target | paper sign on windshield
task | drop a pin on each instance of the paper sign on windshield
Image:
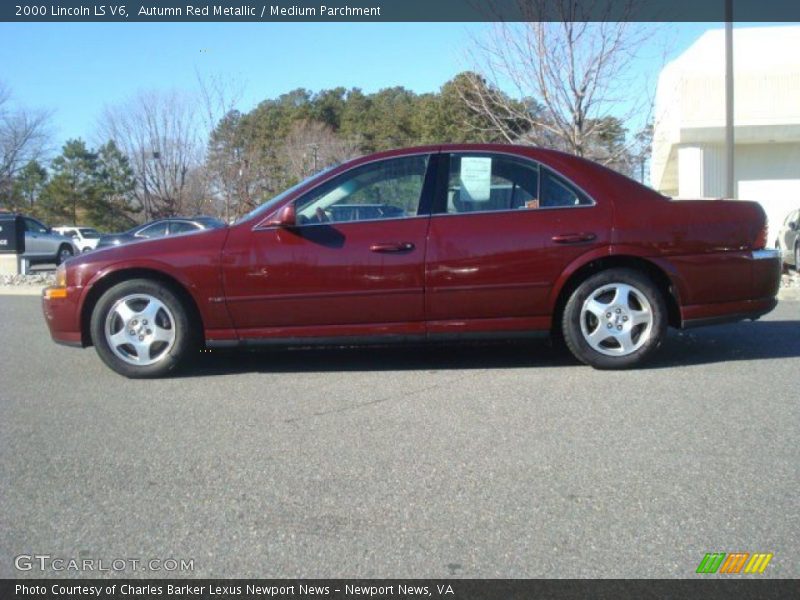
(476, 178)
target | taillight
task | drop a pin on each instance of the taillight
(761, 239)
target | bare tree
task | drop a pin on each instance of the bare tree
(567, 72)
(236, 167)
(311, 146)
(231, 164)
(161, 134)
(23, 138)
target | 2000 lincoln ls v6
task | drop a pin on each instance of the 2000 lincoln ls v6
(428, 243)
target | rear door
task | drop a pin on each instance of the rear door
(504, 228)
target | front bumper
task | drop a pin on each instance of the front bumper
(62, 316)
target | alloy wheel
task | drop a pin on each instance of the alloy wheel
(616, 319)
(140, 329)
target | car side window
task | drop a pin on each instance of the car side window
(153, 231)
(181, 227)
(486, 182)
(556, 192)
(34, 226)
(388, 189)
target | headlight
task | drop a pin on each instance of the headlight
(61, 276)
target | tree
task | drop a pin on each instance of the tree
(28, 185)
(113, 203)
(160, 134)
(568, 76)
(311, 146)
(73, 185)
(23, 137)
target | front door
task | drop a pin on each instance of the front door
(38, 242)
(353, 264)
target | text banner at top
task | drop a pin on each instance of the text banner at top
(402, 11)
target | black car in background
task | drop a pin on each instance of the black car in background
(788, 241)
(160, 228)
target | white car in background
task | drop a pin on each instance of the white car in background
(84, 238)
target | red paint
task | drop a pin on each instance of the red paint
(465, 273)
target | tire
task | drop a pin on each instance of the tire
(141, 329)
(630, 335)
(64, 253)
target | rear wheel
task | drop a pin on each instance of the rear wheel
(141, 329)
(615, 319)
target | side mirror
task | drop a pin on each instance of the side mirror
(793, 226)
(285, 217)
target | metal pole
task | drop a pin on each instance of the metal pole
(729, 141)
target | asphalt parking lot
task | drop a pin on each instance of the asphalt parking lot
(473, 461)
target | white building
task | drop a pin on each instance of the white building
(688, 145)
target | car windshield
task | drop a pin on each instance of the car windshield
(270, 204)
(89, 233)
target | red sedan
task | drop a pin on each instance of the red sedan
(438, 242)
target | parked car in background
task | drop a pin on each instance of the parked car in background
(459, 241)
(788, 241)
(159, 228)
(45, 245)
(85, 238)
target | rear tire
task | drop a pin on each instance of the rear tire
(141, 329)
(615, 319)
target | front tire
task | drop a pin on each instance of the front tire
(615, 319)
(64, 253)
(141, 329)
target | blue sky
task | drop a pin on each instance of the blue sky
(75, 69)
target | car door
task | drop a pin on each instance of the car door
(37, 240)
(335, 272)
(502, 232)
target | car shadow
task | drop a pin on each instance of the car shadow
(739, 342)
(742, 341)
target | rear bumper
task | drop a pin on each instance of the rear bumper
(61, 316)
(765, 274)
(725, 312)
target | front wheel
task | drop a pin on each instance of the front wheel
(615, 319)
(141, 329)
(64, 253)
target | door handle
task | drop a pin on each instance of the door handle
(386, 248)
(573, 238)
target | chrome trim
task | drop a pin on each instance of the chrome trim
(512, 210)
(765, 254)
(337, 223)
